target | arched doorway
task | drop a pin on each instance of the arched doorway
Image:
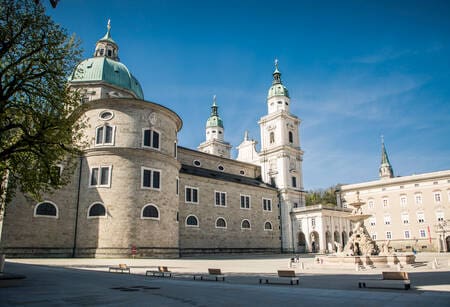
(328, 242)
(315, 243)
(337, 239)
(344, 239)
(447, 241)
(301, 242)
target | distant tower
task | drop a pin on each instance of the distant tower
(281, 156)
(386, 170)
(215, 143)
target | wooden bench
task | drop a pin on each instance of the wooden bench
(213, 274)
(162, 271)
(390, 280)
(122, 268)
(283, 275)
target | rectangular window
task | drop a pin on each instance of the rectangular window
(388, 235)
(407, 236)
(385, 202)
(437, 197)
(418, 199)
(374, 236)
(387, 220)
(403, 201)
(151, 178)
(100, 176)
(313, 221)
(405, 218)
(371, 204)
(177, 187)
(245, 202)
(150, 139)
(191, 195)
(372, 221)
(267, 204)
(423, 234)
(294, 182)
(104, 135)
(440, 216)
(420, 218)
(175, 149)
(221, 199)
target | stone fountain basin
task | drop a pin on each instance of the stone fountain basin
(377, 261)
(359, 217)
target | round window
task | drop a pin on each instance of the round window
(197, 163)
(220, 168)
(242, 172)
(106, 115)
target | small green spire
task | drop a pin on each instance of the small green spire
(107, 36)
(386, 170)
(214, 120)
(276, 74)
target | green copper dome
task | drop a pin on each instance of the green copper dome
(277, 90)
(103, 69)
(214, 120)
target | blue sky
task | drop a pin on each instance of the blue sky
(355, 70)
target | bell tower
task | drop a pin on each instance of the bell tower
(281, 155)
(215, 143)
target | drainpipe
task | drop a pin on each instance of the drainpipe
(281, 221)
(78, 208)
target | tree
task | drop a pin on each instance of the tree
(321, 196)
(39, 115)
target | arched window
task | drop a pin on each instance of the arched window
(268, 226)
(291, 137)
(245, 224)
(192, 221)
(46, 209)
(150, 212)
(104, 135)
(150, 138)
(221, 223)
(272, 137)
(96, 210)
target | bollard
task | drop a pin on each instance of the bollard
(2, 262)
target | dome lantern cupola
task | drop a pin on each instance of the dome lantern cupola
(214, 119)
(106, 46)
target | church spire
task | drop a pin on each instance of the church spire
(276, 74)
(386, 170)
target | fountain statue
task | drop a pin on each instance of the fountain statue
(361, 249)
(360, 243)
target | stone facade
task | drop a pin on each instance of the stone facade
(411, 212)
(127, 196)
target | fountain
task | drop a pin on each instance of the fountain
(360, 249)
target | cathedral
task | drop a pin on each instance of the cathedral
(136, 192)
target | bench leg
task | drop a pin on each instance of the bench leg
(292, 282)
(297, 281)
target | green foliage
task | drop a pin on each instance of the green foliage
(321, 196)
(38, 125)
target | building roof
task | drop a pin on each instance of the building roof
(214, 119)
(396, 180)
(208, 173)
